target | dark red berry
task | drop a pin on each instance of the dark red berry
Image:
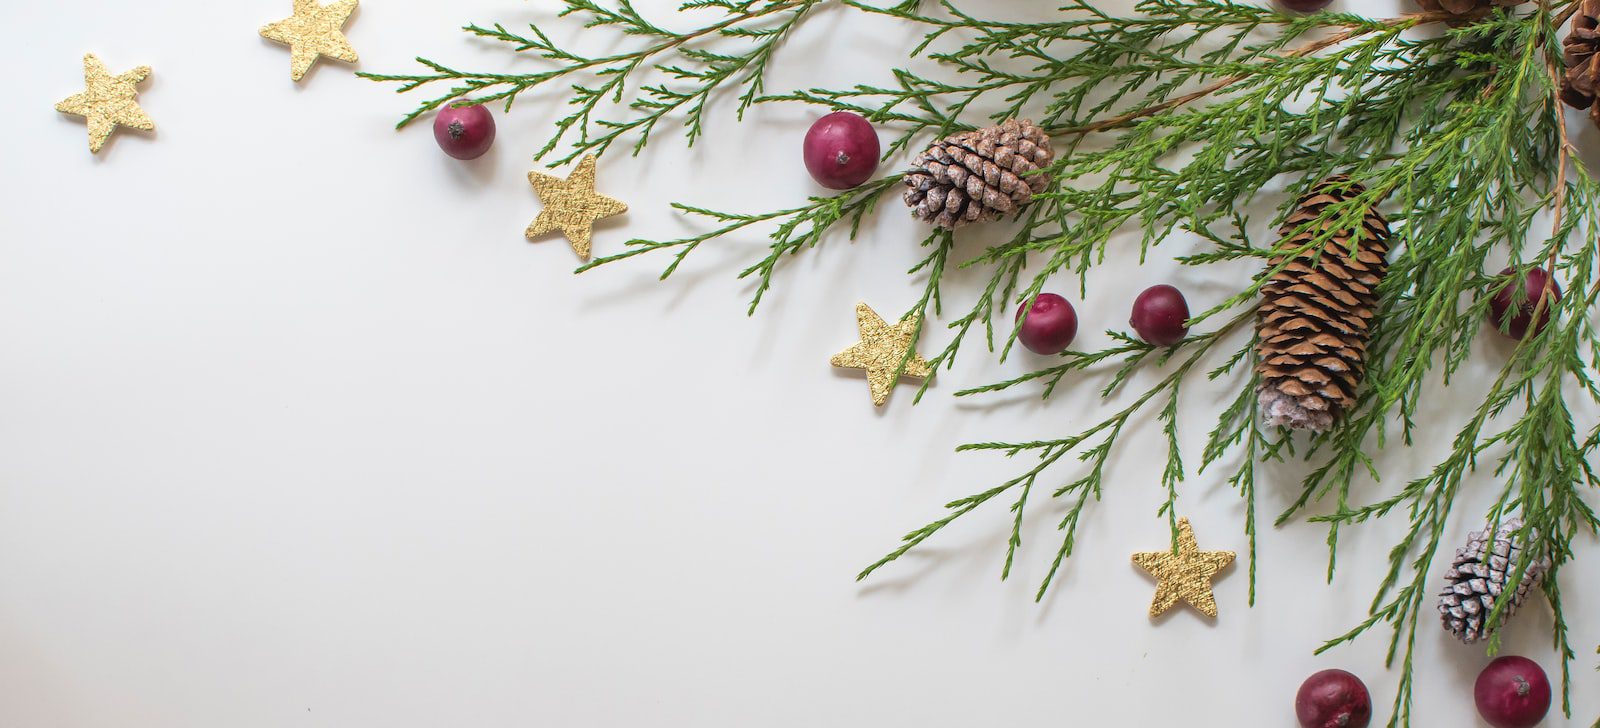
(1304, 6)
(464, 132)
(1512, 692)
(1535, 284)
(1160, 315)
(841, 150)
(1050, 324)
(1333, 699)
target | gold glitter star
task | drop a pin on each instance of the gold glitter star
(107, 101)
(314, 30)
(572, 206)
(1184, 575)
(880, 351)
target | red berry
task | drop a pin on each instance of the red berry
(1512, 692)
(841, 150)
(1160, 315)
(464, 132)
(1333, 699)
(1304, 6)
(1534, 285)
(1050, 324)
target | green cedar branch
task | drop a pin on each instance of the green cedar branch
(687, 70)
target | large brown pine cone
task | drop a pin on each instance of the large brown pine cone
(1465, 9)
(1316, 313)
(1583, 65)
(1478, 578)
(979, 175)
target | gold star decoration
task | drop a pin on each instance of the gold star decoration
(314, 30)
(880, 351)
(572, 206)
(107, 101)
(1184, 575)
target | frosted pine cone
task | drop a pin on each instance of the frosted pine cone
(1479, 577)
(979, 175)
(1316, 313)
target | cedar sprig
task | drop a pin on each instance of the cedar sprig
(681, 72)
(794, 230)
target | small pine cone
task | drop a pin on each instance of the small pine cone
(1479, 577)
(1582, 79)
(1463, 10)
(1316, 313)
(979, 175)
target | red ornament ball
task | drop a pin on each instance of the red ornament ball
(1160, 315)
(1535, 284)
(841, 150)
(1333, 699)
(1050, 325)
(464, 132)
(1512, 692)
(1305, 6)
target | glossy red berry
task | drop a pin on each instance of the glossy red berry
(1304, 6)
(1512, 692)
(1333, 699)
(1535, 284)
(1050, 325)
(464, 132)
(1160, 315)
(841, 150)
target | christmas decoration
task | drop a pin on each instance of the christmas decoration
(1184, 575)
(885, 352)
(1180, 123)
(464, 132)
(1333, 699)
(1305, 6)
(841, 150)
(1316, 309)
(1512, 692)
(571, 205)
(1526, 299)
(315, 30)
(1481, 575)
(108, 101)
(1048, 324)
(1160, 315)
(979, 175)
(1578, 84)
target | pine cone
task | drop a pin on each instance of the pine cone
(1583, 66)
(1478, 578)
(1316, 314)
(1464, 10)
(979, 175)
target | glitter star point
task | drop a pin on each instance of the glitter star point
(571, 205)
(1185, 575)
(108, 101)
(881, 350)
(315, 30)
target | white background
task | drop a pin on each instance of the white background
(299, 431)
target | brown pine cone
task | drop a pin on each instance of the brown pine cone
(979, 175)
(1316, 313)
(1464, 10)
(1583, 65)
